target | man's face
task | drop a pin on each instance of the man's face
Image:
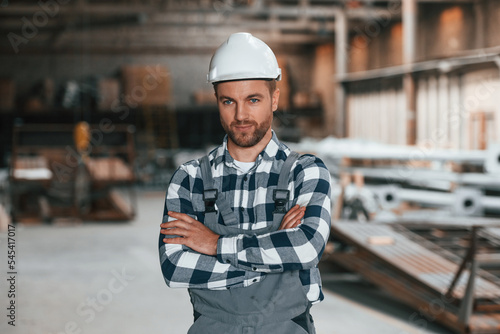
(246, 110)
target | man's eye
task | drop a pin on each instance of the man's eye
(227, 102)
(254, 100)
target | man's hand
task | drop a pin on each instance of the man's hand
(191, 232)
(293, 217)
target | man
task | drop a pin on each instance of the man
(240, 231)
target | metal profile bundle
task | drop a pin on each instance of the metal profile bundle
(338, 150)
(459, 294)
(425, 178)
(465, 183)
(463, 201)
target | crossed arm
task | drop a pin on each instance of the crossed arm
(193, 256)
(198, 237)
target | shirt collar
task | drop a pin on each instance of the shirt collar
(269, 152)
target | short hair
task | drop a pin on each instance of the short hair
(271, 84)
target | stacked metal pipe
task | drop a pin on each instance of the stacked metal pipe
(428, 179)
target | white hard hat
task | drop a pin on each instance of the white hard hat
(243, 56)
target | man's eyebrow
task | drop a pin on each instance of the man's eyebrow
(251, 96)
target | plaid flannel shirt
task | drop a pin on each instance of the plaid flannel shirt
(243, 260)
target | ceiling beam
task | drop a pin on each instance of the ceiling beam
(180, 24)
(195, 18)
(327, 8)
(310, 11)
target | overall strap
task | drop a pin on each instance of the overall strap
(281, 195)
(211, 197)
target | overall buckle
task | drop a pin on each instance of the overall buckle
(280, 198)
(209, 197)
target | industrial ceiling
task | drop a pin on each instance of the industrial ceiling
(56, 26)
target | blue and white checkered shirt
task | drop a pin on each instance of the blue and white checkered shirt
(243, 260)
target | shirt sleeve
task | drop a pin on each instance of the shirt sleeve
(181, 266)
(291, 249)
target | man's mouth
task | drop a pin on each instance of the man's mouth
(243, 127)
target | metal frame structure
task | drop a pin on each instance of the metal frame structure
(442, 285)
(47, 169)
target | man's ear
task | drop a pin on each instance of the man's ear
(275, 98)
(215, 91)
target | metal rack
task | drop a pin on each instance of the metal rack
(415, 266)
(49, 180)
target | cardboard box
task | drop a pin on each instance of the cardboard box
(146, 85)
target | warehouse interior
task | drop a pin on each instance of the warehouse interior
(101, 101)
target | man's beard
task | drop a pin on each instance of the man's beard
(247, 139)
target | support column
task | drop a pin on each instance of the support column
(480, 28)
(341, 53)
(409, 56)
(496, 116)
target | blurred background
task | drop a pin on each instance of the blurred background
(100, 101)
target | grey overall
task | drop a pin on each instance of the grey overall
(276, 305)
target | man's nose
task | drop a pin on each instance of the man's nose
(241, 113)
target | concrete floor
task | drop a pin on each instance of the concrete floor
(105, 278)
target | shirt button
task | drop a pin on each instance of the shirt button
(245, 178)
(254, 268)
(228, 261)
(242, 209)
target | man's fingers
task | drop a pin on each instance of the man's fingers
(292, 210)
(175, 214)
(176, 224)
(292, 219)
(177, 241)
(293, 213)
(290, 214)
(172, 223)
(189, 232)
(295, 223)
(179, 217)
(174, 231)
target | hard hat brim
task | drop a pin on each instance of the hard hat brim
(242, 77)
